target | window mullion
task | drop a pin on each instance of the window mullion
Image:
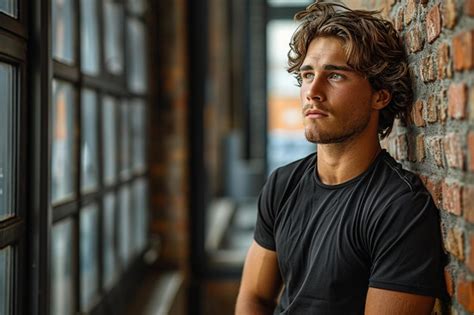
(40, 56)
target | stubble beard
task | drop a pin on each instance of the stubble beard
(347, 132)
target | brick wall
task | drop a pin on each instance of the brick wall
(439, 144)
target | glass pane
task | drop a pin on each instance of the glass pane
(9, 7)
(286, 140)
(62, 163)
(110, 269)
(136, 72)
(124, 225)
(63, 30)
(6, 273)
(89, 37)
(138, 126)
(281, 3)
(89, 260)
(137, 6)
(109, 134)
(8, 148)
(125, 140)
(114, 19)
(140, 212)
(62, 273)
(89, 156)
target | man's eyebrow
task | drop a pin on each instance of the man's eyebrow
(327, 67)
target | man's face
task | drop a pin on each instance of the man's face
(337, 101)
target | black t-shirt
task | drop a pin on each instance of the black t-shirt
(380, 229)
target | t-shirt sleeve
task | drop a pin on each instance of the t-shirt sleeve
(405, 247)
(263, 234)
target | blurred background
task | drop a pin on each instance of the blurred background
(135, 138)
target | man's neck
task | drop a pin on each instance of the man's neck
(337, 163)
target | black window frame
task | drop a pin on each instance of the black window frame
(13, 51)
(45, 214)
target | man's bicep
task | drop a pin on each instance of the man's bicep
(261, 276)
(406, 247)
(387, 302)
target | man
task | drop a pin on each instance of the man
(345, 230)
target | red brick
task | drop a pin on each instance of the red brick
(457, 97)
(469, 7)
(433, 24)
(417, 113)
(449, 13)
(437, 150)
(410, 11)
(449, 281)
(427, 70)
(470, 258)
(414, 39)
(435, 189)
(468, 203)
(453, 151)
(431, 110)
(452, 195)
(465, 293)
(463, 50)
(420, 148)
(470, 150)
(454, 243)
(444, 62)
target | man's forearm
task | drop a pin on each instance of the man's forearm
(253, 306)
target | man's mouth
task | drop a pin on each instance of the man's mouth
(315, 114)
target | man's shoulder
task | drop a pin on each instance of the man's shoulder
(395, 176)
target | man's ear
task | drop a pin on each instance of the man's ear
(381, 99)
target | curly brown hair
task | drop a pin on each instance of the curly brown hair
(372, 46)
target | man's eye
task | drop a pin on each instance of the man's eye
(307, 76)
(335, 76)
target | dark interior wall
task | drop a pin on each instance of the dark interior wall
(169, 141)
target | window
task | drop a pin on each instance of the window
(63, 30)
(98, 135)
(5, 279)
(72, 134)
(286, 141)
(109, 235)
(9, 7)
(282, 3)
(89, 141)
(13, 126)
(63, 142)
(8, 108)
(89, 261)
(62, 272)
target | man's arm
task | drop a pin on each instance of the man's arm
(261, 282)
(386, 302)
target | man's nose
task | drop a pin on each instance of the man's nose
(315, 89)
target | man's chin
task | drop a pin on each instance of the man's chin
(326, 139)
